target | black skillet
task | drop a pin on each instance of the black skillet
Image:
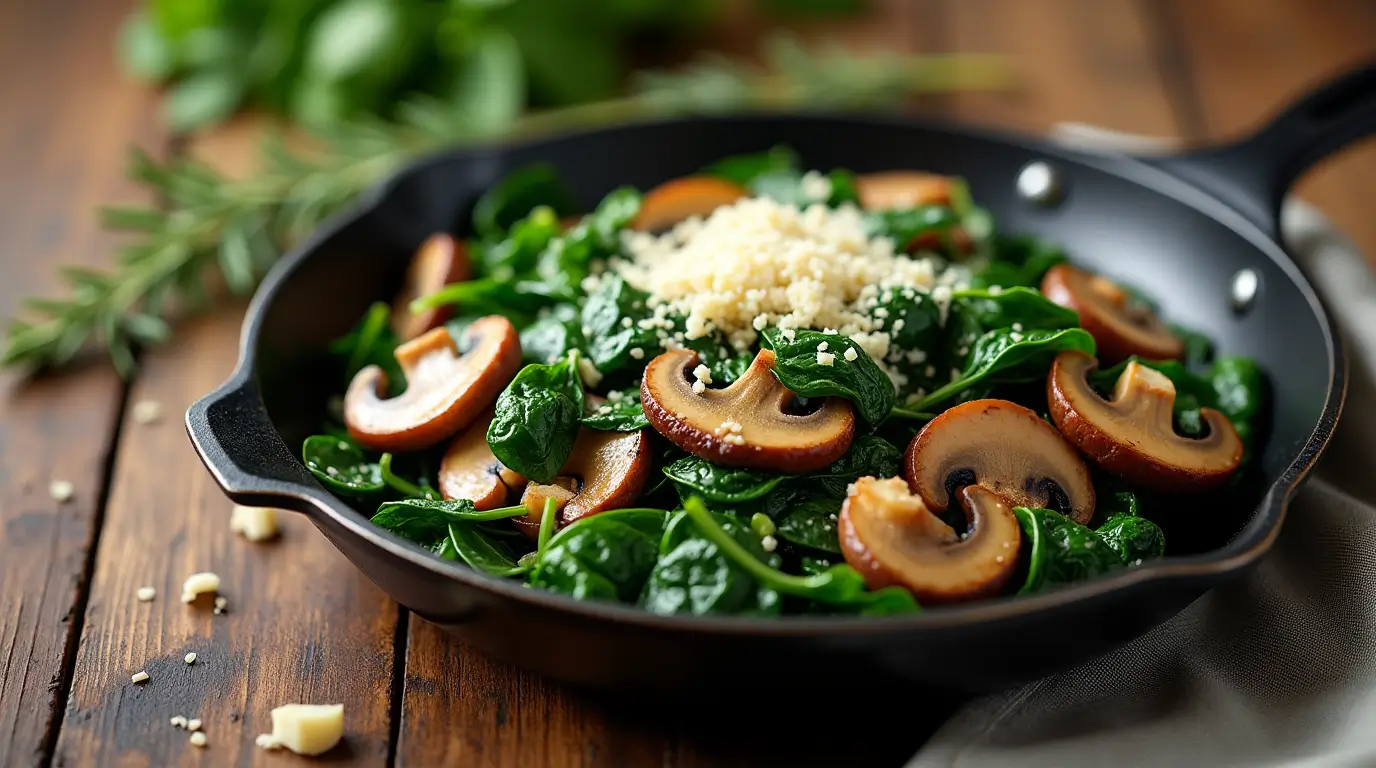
(1196, 230)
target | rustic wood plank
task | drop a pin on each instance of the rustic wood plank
(61, 153)
(1248, 59)
(303, 625)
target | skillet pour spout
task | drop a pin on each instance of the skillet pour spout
(1183, 227)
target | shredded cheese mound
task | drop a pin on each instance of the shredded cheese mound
(758, 263)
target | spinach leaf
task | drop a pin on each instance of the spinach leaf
(563, 265)
(552, 337)
(868, 455)
(607, 556)
(484, 553)
(860, 380)
(623, 415)
(728, 485)
(812, 566)
(611, 326)
(724, 362)
(1013, 306)
(371, 342)
(426, 521)
(516, 195)
(1061, 551)
(914, 324)
(613, 214)
(1018, 260)
(1134, 538)
(340, 466)
(904, 225)
(839, 585)
(517, 253)
(1240, 391)
(517, 300)
(1004, 356)
(792, 187)
(812, 524)
(744, 169)
(693, 574)
(401, 484)
(1199, 349)
(536, 419)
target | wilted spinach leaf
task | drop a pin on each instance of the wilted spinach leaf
(744, 169)
(860, 381)
(812, 524)
(868, 456)
(1061, 551)
(728, 485)
(607, 556)
(341, 466)
(426, 521)
(1018, 260)
(553, 336)
(1134, 538)
(536, 419)
(1199, 349)
(371, 342)
(1013, 306)
(1240, 391)
(693, 575)
(484, 553)
(623, 415)
(904, 225)
(1004, 355)
(516, 195)
(517, 253)
(611, 326)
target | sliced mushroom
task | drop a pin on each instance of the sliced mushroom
(892, 538)
(887, 190)
(470, 471)
(747, 424)
(673, 201)
(1004, 447)
(1120, 327)
(439, 261)
(444, 393)
(1133, 435)
(606, 470)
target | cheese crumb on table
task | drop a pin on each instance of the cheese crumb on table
(199, 583)
(221, 604)
(178, 722)
(147, 412)
(253, 523)
(198, 739)
(147, 594)
(190, 658)
(306, 729)
(140, 677)
(194, 724)
(61, 491)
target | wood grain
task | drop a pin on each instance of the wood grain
(1246, 60)
(303, 625)
(55, 167)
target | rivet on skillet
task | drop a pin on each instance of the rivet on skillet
(1041, 183)
(1245, 285)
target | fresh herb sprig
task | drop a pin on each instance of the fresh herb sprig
(237, 228)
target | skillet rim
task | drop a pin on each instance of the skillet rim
(1253, 541)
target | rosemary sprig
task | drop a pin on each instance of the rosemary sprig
(239, 227)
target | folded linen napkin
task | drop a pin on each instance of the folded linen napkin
(1277, 668)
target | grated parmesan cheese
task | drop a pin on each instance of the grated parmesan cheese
(147, 594)
(826, 358)
(198, 583)
(851, 354)
(254, 523)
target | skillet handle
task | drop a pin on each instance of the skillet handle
(1254, 173)
(238, 443)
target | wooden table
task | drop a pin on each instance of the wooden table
(303, 625)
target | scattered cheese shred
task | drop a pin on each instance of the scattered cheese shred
(194, 724)
(147, 412)
(198, 739)
(254, 523)
(61, 491)
(199, 583)
(147, 594)
(306, 729)
(190, 658)
(178, 722)
(140, 677)
(221, 604)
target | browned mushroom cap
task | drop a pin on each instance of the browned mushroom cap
(470, 471)
(439, 261)
(887, 190)
(1120, 328)
(444, 393)
(606, 470)
(673, 201)
(1133, 435)
(747, 424)
(892, 538)
(1007, 449)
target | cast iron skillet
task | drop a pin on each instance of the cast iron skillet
(1183, 227)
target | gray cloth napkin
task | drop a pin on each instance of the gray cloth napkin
(1275, 668)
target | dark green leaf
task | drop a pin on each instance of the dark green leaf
(611, 325)
(607, 556)
(518, 252)
(860, 380)
(727, 485)
(868, 456)
(550, 338)
(904, 225)
(1199, 349)
(341, 466)
(536, 420)
(812, 524)
(1061, 551)
(1134, 538)
(744, 169)
(1004, 355)
(516, 195)
(1013, 307)
(694, 576)
(371, 342)
(202, 99)
(1019, 260)
(623, 415)
(484, 553)
(570, 51)
(490, 89)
